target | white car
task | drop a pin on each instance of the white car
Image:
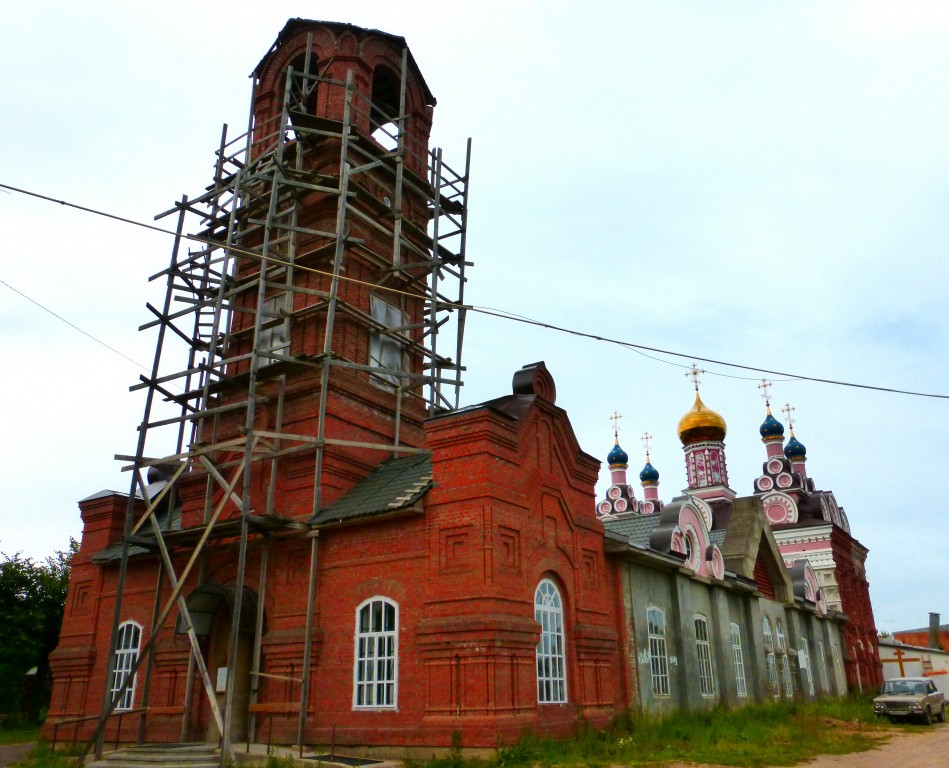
(905, 697)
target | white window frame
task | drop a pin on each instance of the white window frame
(376, 656)
(804, 662)
(551, 647)
(273, 337)
(769, 657)
(384, 350)
(703, 650)
(658, 653)
(838, 672)
(822, 667)
(127, 647)
(739, 659)
(783, 662)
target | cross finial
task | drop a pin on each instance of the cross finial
(614, 419)
(765, 387)
(694, 373)
(647, 440)
(787, 410)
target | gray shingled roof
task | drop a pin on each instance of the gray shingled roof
(638, 527)
(396, 484)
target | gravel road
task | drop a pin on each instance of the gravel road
(920, 747)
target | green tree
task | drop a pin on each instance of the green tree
(32, 599)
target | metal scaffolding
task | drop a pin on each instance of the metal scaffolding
(257, 266)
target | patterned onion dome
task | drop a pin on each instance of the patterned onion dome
(771, 427)
(617, 457)
(700, 424)
(649, 474)
(795, 450)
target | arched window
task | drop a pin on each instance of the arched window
(838, 671)
(703, 650)
(804, 661)
(126, 654)
(551, 654)
(769, 656)
(783, 661)
(739, 660)
(822, 667)
(375, 672)
(658, 657)
(689, 547)
(384, 112)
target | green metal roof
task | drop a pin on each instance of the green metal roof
(394, 485)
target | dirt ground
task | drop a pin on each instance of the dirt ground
(918, 748)
(11, 753)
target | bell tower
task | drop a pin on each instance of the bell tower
(322, 305)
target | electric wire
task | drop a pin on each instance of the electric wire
(642, 349)
(74, 326)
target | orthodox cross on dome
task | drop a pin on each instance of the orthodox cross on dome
(694, 373)
(765, 387)
(647, 440)
(614, 420)
(787, 410)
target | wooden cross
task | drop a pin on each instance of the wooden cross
(899, 653)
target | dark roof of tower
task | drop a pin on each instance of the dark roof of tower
(394, 485)
(295, 25)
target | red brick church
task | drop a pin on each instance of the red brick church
(318, 544)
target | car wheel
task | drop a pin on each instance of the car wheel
(928, 716)
(941, 717)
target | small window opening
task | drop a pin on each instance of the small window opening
(386, 86)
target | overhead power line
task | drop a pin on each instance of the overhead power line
(73, 325)
(501, 314)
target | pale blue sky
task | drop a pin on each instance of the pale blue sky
(759, 183)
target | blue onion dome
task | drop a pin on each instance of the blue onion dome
(649, 474)
(617, 457)
(795, 450)
(771, 427)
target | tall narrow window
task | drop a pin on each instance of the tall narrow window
(658, 658)
(822, 667)
(551, 658)
(769, 656)
(804, 660)
(273, 325)
(739, 660)
(385, 349)
(838, 672)
(126, 654)
(703, 649)
(375, 672)
(783, 663)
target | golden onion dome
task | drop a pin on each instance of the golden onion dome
(700, 424)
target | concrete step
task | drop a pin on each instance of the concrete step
(162, 756)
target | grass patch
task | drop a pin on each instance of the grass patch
(778, 733)
(18, 734)
(43, 757)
